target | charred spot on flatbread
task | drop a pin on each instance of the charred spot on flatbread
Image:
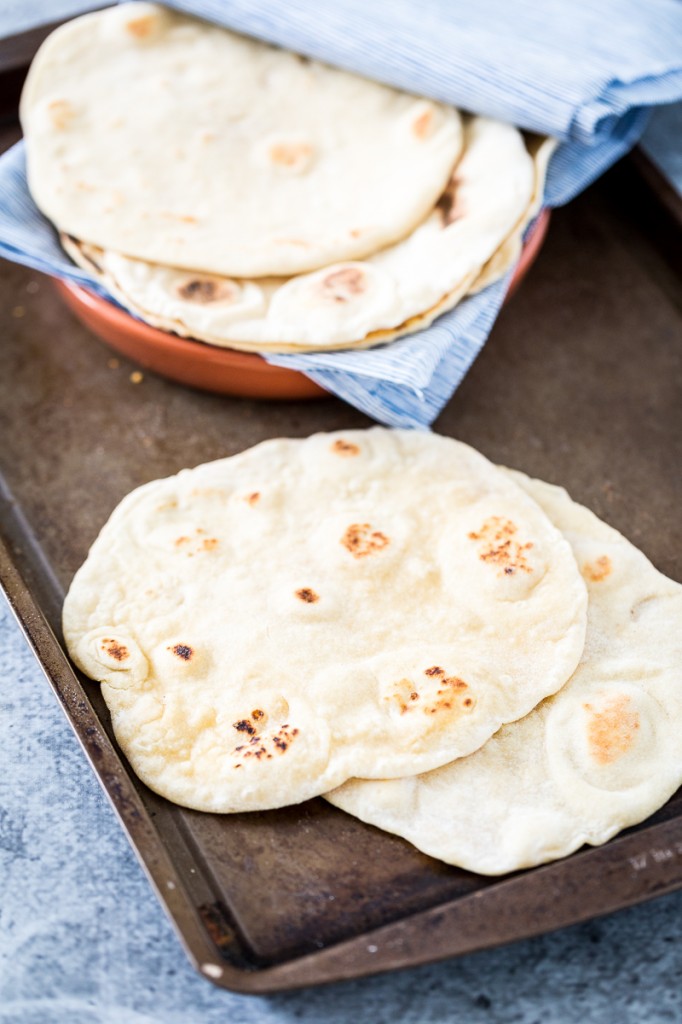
(498, 547)
(448, 698)
(362, 540)
(264, 746)
(142, 27)
(205, 290)
(182, 651)
(612, 729)
(450, 205)
(61, 114)
(422, 126)
(245, 725)
(597, 570)
(345, 448)
(291, 156)
(115, 650)
(344, 285)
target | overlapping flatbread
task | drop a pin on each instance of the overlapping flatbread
(493, 193)
(371, 603)
(602, 754)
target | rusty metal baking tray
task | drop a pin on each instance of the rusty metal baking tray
(580, 384)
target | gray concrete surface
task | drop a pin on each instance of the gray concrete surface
(83, 940)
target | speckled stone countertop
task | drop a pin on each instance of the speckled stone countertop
(83, 940)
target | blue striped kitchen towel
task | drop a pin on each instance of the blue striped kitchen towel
(585, 72)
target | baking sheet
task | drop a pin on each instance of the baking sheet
(580, 384)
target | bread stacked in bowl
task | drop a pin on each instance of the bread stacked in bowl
(447, 649)
(250, 198)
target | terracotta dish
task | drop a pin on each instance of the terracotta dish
(208, 367)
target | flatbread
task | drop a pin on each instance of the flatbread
(89, 258)
(541, 149)
(175, 141)
(367, 603)
(348, 305)
(602, 754)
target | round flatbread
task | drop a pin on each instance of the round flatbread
(490, 196)
(369, 603)
(171, 140)
(601, 755)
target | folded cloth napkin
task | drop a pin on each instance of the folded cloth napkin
(585, 72)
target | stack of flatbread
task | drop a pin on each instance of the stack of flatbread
(248, 197)
(447, 649)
